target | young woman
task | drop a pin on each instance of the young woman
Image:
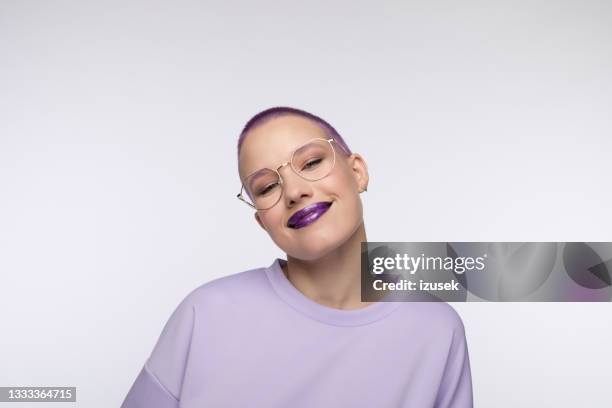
(296, 333)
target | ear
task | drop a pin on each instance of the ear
(259, 221)
(359, 171)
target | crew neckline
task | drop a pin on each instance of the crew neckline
(337, 317)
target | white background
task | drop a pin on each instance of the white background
(479, 121)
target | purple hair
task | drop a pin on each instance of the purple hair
(279, 111)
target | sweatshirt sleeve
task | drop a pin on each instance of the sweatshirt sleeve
(456, 386)
(159, 383)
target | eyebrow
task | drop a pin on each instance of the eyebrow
(253, 173)
(255, 176)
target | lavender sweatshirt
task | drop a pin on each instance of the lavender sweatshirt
(253, 340)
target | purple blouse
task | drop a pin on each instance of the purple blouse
(253, 340)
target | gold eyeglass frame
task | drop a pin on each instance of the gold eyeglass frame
(240, 196)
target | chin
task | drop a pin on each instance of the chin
(317, 245)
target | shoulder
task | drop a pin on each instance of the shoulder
(240, 287)
(169, 356)
(436, 317)
(446, 315)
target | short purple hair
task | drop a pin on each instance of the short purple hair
(279, 111)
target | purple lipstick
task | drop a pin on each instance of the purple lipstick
(308, 214)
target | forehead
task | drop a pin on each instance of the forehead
(271, 143)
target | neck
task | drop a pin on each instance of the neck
(333, 280)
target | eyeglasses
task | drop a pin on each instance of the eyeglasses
(312, 161)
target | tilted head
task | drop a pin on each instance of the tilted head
(315, 206)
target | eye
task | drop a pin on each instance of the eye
(267, 189)
(312, 163)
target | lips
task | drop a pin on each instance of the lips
(308, 214)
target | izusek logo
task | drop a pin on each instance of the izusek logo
(413, 264)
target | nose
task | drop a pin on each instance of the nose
(295, 188)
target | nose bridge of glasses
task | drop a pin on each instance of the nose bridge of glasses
(290, 174)
(281, 166)
(291, 171)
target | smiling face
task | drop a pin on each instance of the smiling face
(270, 144)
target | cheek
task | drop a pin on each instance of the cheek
(351, 212)
(341, 181)
(272, 221)
(345, 189)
